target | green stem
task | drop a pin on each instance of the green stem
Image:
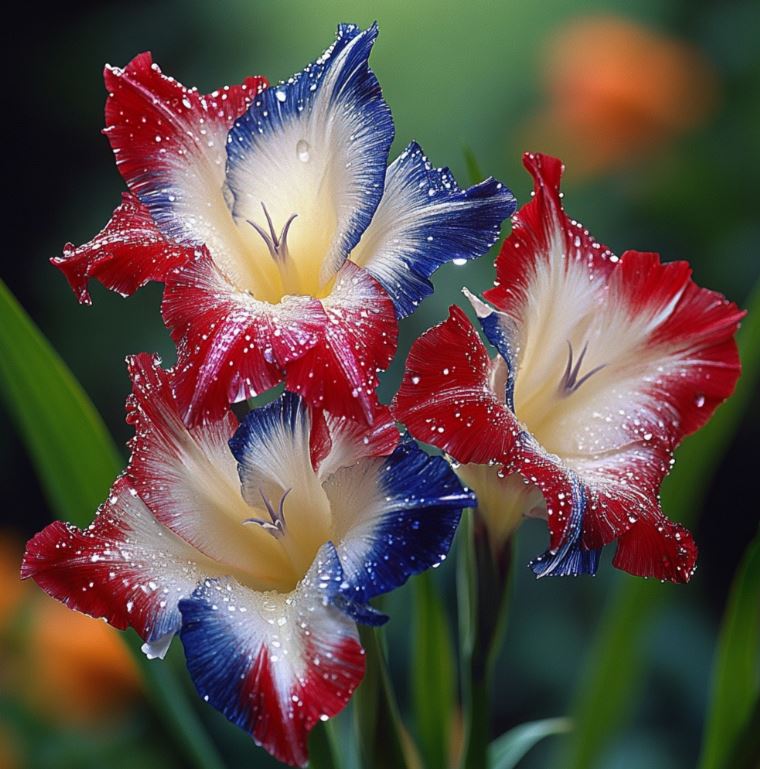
(171, 703)
(323, 752)
(483, 588)
(378, 724)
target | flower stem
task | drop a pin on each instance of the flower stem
(322, 748)
(380, 736)
(483, 589)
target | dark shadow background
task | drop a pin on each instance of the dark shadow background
(663, 157)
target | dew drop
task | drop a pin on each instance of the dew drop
(302, 150)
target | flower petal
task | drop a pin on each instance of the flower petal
(170, 146)
(231, 346)
(188, 478)
(340, 442)
(274, 663)
(393, 517)
(315, 146)
(125, 567)
(658, 548)
(540, 230)
(503, 500)
(129, 252)
(358, 339)
(425, 220)
(273, 450)
(445, 398)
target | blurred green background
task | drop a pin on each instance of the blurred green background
(655, 108)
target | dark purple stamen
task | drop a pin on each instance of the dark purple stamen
(276, 525)
(277, 245)
(570, 382)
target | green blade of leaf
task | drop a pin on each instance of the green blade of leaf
(509, 749)
(433, 679)
(736, 674)
(380, 733)
(474, 173)
(75, 458)
(76, 461)
(614, 660)
(323, 751)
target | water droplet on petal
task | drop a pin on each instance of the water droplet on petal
(302, 150)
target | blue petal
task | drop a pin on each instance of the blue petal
(262, 424)
(316, 146)
(272, 662)
(406, 524)
(360, 612)
(571, 559)
(425, 220)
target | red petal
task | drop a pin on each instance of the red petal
(128, 253)
(445, 398)
(696, 329)
(357, 340)
(153, 122)
(337, 442)
(125, 567)
(659, 549)
(537, 227)
(229, 345)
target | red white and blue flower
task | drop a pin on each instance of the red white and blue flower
(287, 247)
(603, 365)
(261, 558)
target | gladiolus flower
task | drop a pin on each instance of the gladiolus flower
(604, 364)
(287, 247)
(262, 558)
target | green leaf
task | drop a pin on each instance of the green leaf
(323, 751)
(508, 750)
(474, 173)
(382, 742)
(74, 456)
(76, 462)
(614, 661)
(736, 675)
(433, 673)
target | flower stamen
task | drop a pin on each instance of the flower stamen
(276, 525)
(570, 382)
(277, 244)
(278, 249)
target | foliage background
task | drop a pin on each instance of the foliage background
(457, 75)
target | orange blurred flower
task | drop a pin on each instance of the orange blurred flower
(617, 90)
(66, 666)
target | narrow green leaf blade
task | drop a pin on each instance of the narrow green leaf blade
(509, 749)
(381, 737)
(474, 172)
(736, 675)
(75, 458)
(433, 676)
(323, 750)
(614, 660)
